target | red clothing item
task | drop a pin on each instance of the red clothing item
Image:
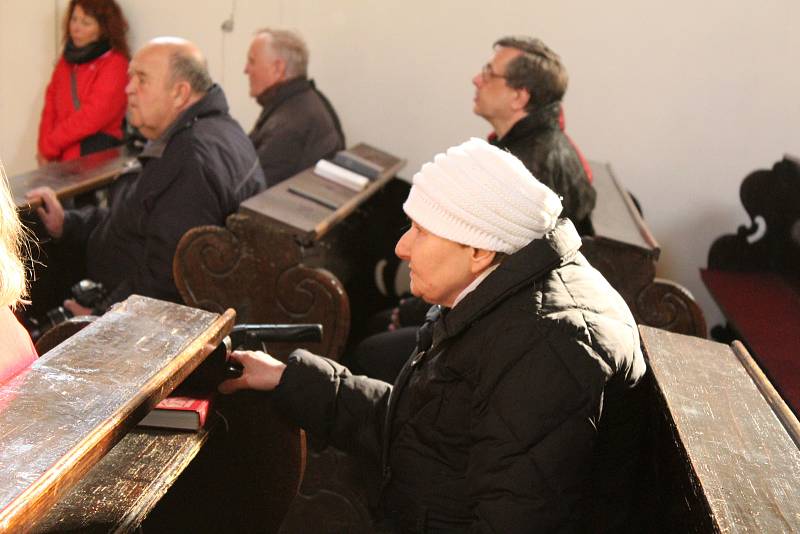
(16, 348)
(101, 92)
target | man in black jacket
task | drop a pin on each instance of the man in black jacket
(519, 93)
(196, 169)
(297, 126)
(493, 424)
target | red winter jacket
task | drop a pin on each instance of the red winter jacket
(101, 92)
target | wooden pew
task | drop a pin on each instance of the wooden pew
(61, 418)
(754, 275)
(723, 449)
(284, 258)
(625, 251)
(72, 178)
(65, 412)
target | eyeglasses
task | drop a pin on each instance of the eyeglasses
(488, 73)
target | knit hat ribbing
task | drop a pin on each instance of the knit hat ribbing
(478, 195)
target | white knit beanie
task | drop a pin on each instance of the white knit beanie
(481, 196)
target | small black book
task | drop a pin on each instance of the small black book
(357, 164)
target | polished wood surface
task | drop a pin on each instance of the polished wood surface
(63, 414)
(286, 259)
(624, 250)
(119, 492)
(71, 178)
(735, 442)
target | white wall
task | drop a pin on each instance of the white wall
(684, 98)
(26, 61)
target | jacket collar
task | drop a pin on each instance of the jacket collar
(213, 103)
(544, 118)
(278, 94)
(516, 272)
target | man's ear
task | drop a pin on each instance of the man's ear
(181, 93)
(280, 68)
(481, 259)
(521, 99)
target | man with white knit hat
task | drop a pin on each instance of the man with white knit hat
(493, 425)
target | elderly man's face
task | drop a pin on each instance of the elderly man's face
(493, 96)
(152, 102)
(264, 68)
(440, 268)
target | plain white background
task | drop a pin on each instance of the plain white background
(683, 98)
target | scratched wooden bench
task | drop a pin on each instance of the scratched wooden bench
(722, 448)
(73, 459)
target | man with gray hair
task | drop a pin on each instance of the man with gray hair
(196, 169)
(519, 92)
(298, 125)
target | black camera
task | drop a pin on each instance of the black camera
(87, 293)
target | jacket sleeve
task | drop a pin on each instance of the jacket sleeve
(47, 121)
(533, 429)
(106, 100)
(326, 400)
(79, 223)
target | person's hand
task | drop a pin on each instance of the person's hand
(76, 309)
(51, 212)
(261, 371)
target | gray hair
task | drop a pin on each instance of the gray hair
(291, 48)
(538, 69)
(192, 69)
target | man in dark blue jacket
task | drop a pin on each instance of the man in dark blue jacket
(196, 168)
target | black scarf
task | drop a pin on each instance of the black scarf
(84, 54)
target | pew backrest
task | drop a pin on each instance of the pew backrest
(725, 452)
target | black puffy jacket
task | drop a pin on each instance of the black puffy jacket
(493, 427)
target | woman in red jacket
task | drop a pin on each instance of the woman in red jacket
(85, 102)
(16, 349)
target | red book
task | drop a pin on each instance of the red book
(185, 413)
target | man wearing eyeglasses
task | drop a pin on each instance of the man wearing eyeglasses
(519, 93)
(297, 126)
